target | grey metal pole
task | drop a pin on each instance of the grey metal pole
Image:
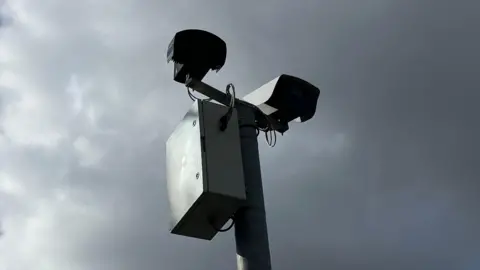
(251, 235)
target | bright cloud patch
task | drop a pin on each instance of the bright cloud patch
(70, 100)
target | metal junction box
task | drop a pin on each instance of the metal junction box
(204, 171)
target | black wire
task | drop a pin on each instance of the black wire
(270, 133)
(190, 94)
(268, 130)
(193, 97)
(226, 118)
(257, 130)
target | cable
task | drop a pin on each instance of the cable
(232, 94)
(257, 130)
(271, 138)
(270, 134)
(193, 97)
(268, 130)
(190, 94)
(226, 118)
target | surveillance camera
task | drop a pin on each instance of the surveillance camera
(194, 53)
(286, 98)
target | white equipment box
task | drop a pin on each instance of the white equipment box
(204, 171)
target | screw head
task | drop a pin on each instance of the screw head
(197, 175)
(194, 122)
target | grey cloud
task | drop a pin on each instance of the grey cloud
(409, 183)
(382, 178)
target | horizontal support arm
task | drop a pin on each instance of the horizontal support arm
(225, 99)
(209, 91)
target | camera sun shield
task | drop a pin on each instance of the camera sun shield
(196, 52)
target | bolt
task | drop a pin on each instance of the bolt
(197, 175)
(194, 122)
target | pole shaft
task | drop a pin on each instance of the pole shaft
(251, 235)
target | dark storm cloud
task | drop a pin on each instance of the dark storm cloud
(383, 177)
(400, 82)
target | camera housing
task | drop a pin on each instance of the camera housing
(195, 52)
(286, 98)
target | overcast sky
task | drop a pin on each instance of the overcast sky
(385, 177)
